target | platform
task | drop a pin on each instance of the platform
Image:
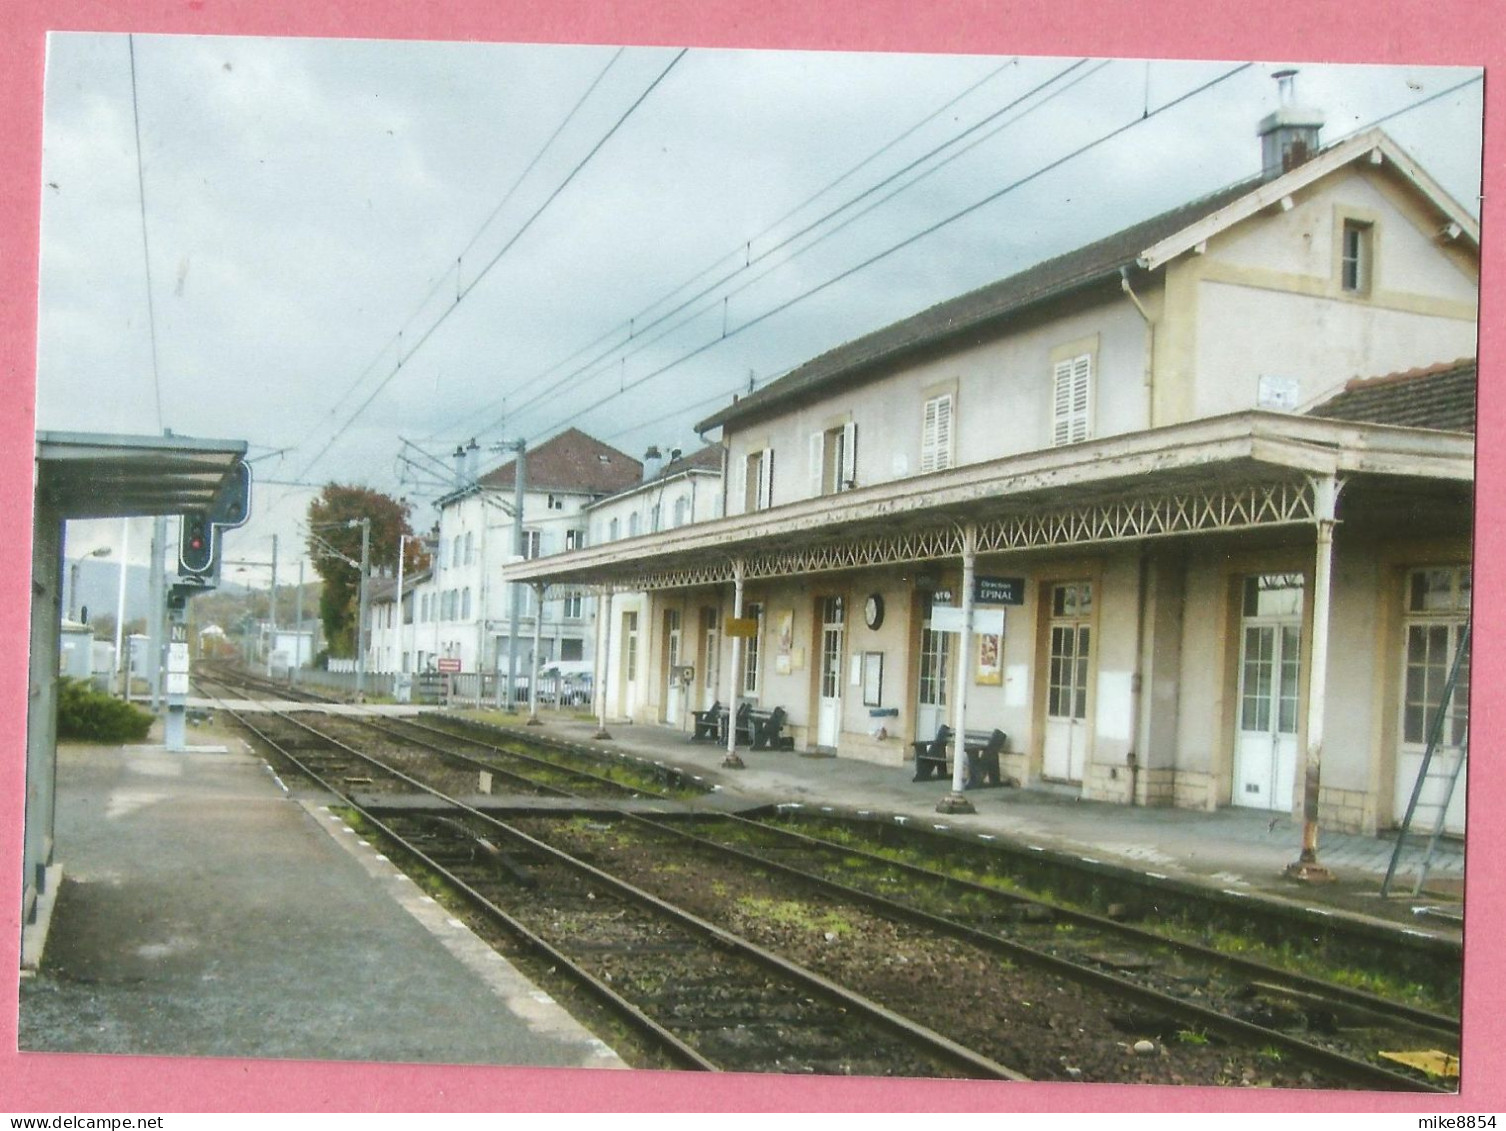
(203, 911)
(1243, 850)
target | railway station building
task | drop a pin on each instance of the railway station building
(1210, 478)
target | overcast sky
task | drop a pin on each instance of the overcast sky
(357, 243)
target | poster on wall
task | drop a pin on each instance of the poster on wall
(989, 671)
(786, 641)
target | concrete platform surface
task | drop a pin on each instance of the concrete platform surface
(205, 912)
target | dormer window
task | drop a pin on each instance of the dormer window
(1356, 257)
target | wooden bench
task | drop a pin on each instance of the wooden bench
(982, 748)
(763, 730)
(710, 724)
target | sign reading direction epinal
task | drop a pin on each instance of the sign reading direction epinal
(999, 590)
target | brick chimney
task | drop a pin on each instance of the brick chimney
(1288, 135)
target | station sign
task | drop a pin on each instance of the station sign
(999, 590)
(177, 657)
(985, 621)
(448, 665)
(986, 591)
(746, 627)
(177, 683)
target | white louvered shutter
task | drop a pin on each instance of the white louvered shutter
(849, 472)
(936, 434)
(766, 479)
(818, 452)
(1072, 400)
(739, 492)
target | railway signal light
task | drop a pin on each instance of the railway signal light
(198, 542)
(196, 546)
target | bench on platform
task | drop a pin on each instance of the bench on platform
(710, 724)
(763, 730)
(982, 748)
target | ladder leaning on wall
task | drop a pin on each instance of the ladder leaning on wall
(1435, 737)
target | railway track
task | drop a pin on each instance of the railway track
(1196, 1004)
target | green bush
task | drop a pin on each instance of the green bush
(87, 715)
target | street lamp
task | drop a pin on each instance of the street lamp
(101, 552)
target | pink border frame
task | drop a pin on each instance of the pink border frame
(1463, 32)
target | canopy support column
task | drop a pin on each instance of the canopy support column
(533, 675)
(734, 691)
(956, 801)
(604, 668)
(1325, 507)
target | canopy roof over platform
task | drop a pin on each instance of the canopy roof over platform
(1238, 472)
(92, 475)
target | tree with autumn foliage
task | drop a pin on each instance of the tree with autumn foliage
(334, 521)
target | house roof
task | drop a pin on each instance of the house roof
(1146, 245)
(383, 590)
(706, 460)
(571, 461)
(1439, 396)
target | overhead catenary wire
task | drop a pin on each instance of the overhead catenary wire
(146, 248)
(443, 277)
(641, 345)
(742, 254)
(522, 229)
(904, 243)
(738, 386)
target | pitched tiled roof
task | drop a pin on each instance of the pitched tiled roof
(1095, 263)
(706, 458)
(1440, 396)
(571, 461)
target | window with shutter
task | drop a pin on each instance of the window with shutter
(1072, 400)
(936, 434)
(765, 479)
(833, 460)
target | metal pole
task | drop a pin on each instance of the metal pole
(402, 542)
(604, 667)
(956, 801)
(159, 610)
(734, 691)
(1325, 503)
(518, 479)
(361, 628)
(272, 605)
(533, 676)
(298, 636)
(120, 604)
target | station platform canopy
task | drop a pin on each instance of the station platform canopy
(81, 475)
(90, 475)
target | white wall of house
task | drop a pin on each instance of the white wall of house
(661, 504)
(465, 610)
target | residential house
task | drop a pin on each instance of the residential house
(462, 610)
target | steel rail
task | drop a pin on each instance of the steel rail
(679, 1052)
(1357, 999)
(1244, 1031)
(938, 1044)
